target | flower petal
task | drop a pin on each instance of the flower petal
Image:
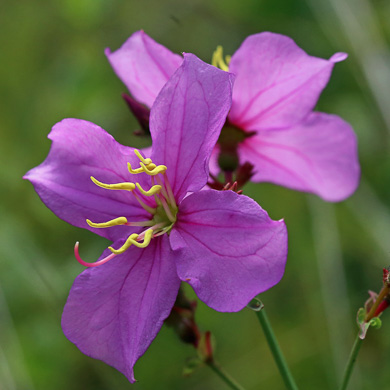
(114, 311)
(319, 155)
(277, 83)
(82, 149)
(144, 66)
(228, 249)
(186, 120)
(213, 163)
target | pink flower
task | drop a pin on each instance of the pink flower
(164, 229)
(277, 86)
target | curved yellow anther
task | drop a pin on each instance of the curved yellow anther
(216, 56)
(153, 191)
(131, 240)
(153, 171)
(118, 186)
(146, 161)
(134, 171)
(218, 60)
(113, 222)
(149, 166)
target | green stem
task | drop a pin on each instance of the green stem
(351, 362)
(276, 351)
(224, 375)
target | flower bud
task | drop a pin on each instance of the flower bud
(140, 112)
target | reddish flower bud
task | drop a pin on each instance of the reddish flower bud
(386, 276)
(140, 112)
(182, 320)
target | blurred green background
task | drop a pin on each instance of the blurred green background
(53, 66)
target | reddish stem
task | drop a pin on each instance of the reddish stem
(382, 295)
(382, 306)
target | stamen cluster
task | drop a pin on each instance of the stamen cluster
(163, 213)
(218, 61)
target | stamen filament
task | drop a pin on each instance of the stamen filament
(171, 197)
(96, 263)
(141, 223)
(154, 190)
(163, 231)
(167, 210)
(156, 198)
(131, 240)
(118, 186)
(163, 190)
(112, 222)
(149, 209)
(154, 227)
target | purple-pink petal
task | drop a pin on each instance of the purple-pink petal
(144, 66)
(81, 149)
(277, 83)
(186, 120)
(114, 311)
(227, 248)
(318, 155)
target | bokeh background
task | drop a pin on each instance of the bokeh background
(53, 66)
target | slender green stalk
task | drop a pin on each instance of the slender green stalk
(224, 375)
(276, 351)
(351, 362)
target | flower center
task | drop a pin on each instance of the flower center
(163, 210)
(218, 61)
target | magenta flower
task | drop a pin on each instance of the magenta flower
(164, 229)
(276, 88)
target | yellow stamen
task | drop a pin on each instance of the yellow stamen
(156, 198)
(141, 169)
(113, 222)
(147, 166)
(216, 56)
(131, 240)
(153, 171)
(163, 190)
(154, 190)
(134, 171)
(118, 186)
(218, 61)
(146, 161)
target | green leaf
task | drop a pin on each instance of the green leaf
(361, 315)
(376, 322)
